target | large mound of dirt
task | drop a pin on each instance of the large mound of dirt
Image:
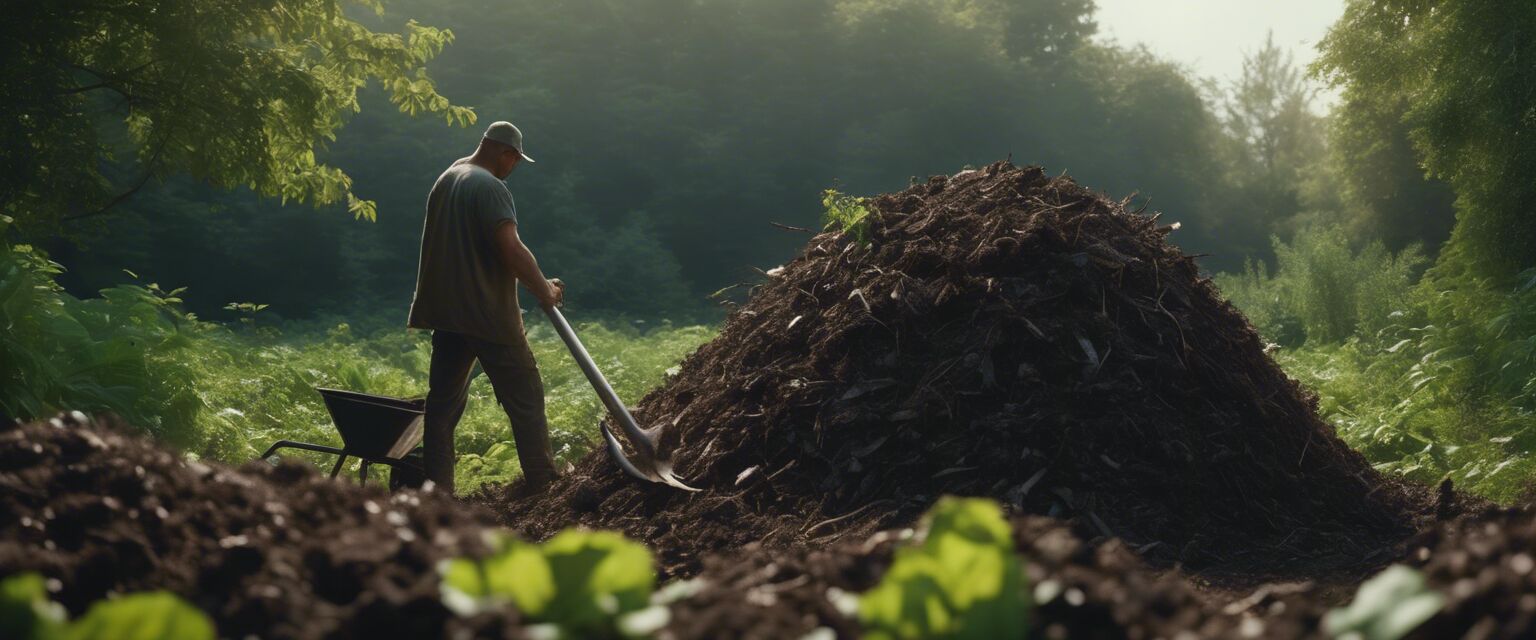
(268, 552)
(1006, 334)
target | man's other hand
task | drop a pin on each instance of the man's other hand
(554, 293)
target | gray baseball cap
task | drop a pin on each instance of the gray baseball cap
(503, 132)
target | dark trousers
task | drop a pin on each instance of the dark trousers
(514, 376)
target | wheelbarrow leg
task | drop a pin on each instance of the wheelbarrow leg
(362, 472)
(337, 469)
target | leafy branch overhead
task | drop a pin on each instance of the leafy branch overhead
(236, 94)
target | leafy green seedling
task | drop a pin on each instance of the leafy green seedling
(1386, 607)
(846, 214)
(962, 581)
(27, 614)
(580, 582)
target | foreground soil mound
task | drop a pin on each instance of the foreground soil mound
(1088, 587)
(1006, 334)
(1080, 588)
(1484, 563)
(267, 552)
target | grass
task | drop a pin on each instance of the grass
(227, 391)
(258, 389)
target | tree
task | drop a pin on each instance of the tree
(1466, 72)
(1275, 140)
(236, 93)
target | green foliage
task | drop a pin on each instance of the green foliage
(582, 583)
(1322, 290)
(846, 214)
(236, 94)
(228, 394)
(1430, 381)
(156, 615)
(1460, 72)
(962, 581)
(1389, 606)
(27, 614)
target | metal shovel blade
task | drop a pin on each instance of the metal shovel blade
(647, 464)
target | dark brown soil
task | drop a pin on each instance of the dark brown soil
(1087, 587)
(1004, 334)
(286, 553)
(270, 552)
(1485, 564)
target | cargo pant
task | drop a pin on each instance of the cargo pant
(515, 377)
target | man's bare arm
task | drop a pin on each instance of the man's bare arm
(516, 256)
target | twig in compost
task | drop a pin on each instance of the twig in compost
(830, 521)
(787, 227)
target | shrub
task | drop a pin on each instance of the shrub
(1320, 283)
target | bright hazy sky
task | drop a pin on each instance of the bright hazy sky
(1211, 36)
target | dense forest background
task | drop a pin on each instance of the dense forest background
(210, 209)
(670, 133)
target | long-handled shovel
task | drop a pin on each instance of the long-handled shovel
(648, 463)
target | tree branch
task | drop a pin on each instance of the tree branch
(149, 172)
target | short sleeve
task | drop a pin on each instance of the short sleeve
(495, 204)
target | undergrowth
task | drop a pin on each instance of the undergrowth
(1430, 379)
(226, 392)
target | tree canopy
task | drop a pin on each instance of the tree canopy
(1463, 75)
(105, 97)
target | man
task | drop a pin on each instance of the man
(466, 293)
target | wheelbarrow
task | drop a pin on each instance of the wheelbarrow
(374, 429)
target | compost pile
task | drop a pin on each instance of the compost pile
(1001, 333)
(269, 552)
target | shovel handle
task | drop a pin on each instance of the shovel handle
(620, 413)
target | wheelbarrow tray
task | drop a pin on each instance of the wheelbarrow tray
(374, 426)
(377, 429)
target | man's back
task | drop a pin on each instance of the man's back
(461, 285)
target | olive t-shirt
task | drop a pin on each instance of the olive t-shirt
(461, 283)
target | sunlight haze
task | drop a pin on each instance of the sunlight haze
(1212, 36)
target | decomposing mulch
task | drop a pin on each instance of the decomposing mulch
(1485, 564)
(1086, 586)
(1008, 334)
(268, 552)
(284, 552)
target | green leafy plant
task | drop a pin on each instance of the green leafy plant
(578, 584)
(1387, 607)
(962, 581)
(847, 214)
(27, 614)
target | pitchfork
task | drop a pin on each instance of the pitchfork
(649, 463)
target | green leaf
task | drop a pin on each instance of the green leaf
(598, 575)
(516, 573)
(963, 581)
(25, 611)
(156, 615)
(582, 582)
(1387, 607)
